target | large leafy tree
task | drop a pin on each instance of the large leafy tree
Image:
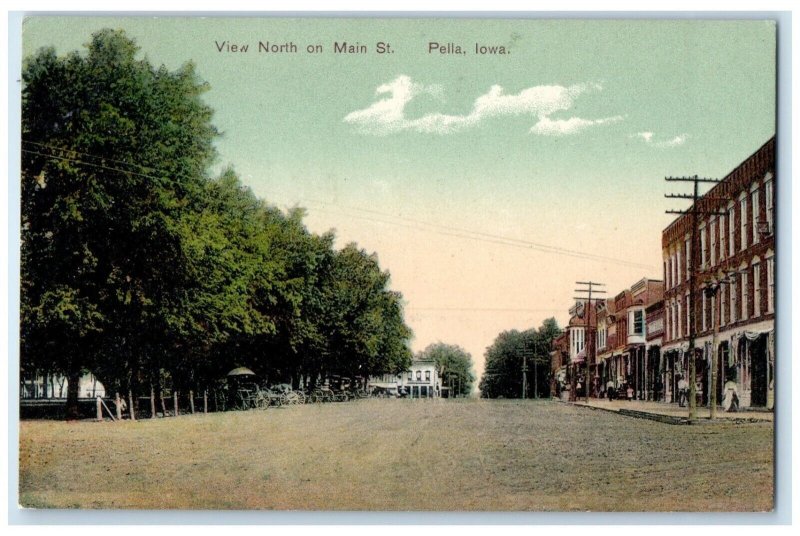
(454, 365)
(362, 320)
(502, 376)
(114, 152)
(139, 266)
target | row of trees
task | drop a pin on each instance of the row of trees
(140, 266)
(502, 375)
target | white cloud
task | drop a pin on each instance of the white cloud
(674, 142)
(387, 115)
(573, 125)
(648, 138)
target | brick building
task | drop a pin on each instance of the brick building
(734, 255)
(624, 346)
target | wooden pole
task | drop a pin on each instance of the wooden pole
(163, 405)
(99, 409)
(191, 401)
(175, 402)
(131, 408)
(118, 402)
(205, 401)
(152, 402)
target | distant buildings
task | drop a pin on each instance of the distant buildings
(420, 381)
(642, 334)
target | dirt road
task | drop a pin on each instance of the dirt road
(399, 455)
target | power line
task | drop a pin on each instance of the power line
(90, 155)
(442, 229)
(486, 237)
(100, 166)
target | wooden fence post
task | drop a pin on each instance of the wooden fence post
(119, 406)
(99, 408)
(205, 401)
(191, 400)
(152, 402)
(175, 402)
(131, 407)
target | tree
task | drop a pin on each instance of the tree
(362, 321)
(502, 376)
(114, 151)
(138, 266)
(454, 366)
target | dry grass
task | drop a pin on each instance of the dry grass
(399, 455)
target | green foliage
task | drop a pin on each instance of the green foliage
(502, 376)
(454, 365)
(139, 266)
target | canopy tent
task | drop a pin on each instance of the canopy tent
(241, 371)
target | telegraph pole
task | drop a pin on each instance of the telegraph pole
(588, 287)
(694, 211)
(525, 352)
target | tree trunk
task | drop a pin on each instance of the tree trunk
(72, 410)
(131, 406)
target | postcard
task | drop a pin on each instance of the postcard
(398, 264)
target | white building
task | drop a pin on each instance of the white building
(420, 381)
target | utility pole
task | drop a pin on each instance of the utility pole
(526, 352)
(588, 287)
(694, 211)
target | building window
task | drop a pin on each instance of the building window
(713, 309)
(678, 267)
(419, 375)
(754, 203)
(731, 230)
(743, 221)
(678, 316)
(688, 245)
(703, 246)
(703, 310)
(744, 296)
(427, 375)
(733, 301)
(769, 202)
(666, 274)
(770, 284)
(713, 254)
(410, 375)
(722, 300)
(722, 237)
(636, 322)
(675, 270)
(688, 302)
(756, 289)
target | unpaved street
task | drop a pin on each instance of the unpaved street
(399, 455)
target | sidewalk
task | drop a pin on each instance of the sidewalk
(672, 413)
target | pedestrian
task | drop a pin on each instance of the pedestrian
(682, 391)
(610, 390)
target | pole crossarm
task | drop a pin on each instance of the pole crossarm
(691, 179)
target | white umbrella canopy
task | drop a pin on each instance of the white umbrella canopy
(241, 371)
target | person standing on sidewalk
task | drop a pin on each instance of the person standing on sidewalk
(682, 388)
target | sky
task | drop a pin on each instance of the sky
(486, 183)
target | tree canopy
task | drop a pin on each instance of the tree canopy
(139, 265)
(502, 375)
